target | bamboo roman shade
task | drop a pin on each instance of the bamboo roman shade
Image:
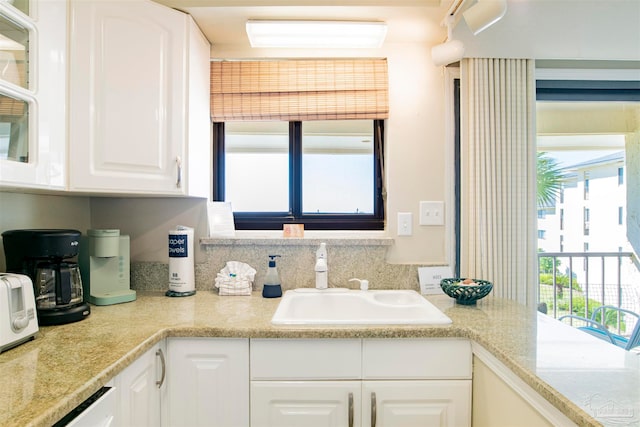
(14, 72)
(11, 109)
(291, 90)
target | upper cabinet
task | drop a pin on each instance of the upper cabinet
(33, 94)
(139, 119)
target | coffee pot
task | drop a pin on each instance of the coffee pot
(48, 257)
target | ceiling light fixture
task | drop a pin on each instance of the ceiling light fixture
(316, 34)
(483, 14)
(449, 51)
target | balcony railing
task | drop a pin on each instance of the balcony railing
(579, 282)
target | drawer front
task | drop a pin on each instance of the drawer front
(305, 359)
(305, 403)
(427, 358)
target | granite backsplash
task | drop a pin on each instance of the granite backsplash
(347, 258)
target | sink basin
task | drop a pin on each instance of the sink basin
(336, 306)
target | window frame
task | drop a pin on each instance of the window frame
(276, 220)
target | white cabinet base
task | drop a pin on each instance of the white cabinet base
(305, 403)
(138, 392)
(207, 382)
(416, 403)
(502, 398)
(353, 382)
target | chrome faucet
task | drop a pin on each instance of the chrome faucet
(321, 268)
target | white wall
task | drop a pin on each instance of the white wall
(18, 211)
(147, 221)
(559, 29)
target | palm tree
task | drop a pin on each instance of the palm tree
(549, 179)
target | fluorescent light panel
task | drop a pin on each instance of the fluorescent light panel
(316, 34)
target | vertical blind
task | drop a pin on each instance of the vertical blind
(305, 89)
(498, 206)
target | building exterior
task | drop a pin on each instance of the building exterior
(590, 216)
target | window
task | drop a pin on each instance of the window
(561, 219)
(324, 174)
(586, 187)
(620, 215)
(586, 221)
(542, 234)
(620, 176)
(300, 141)
(561, 243)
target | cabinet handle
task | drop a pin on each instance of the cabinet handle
(350, 409)
(179, 179)
(160, 354)
(374, 410)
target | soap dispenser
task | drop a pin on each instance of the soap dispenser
(272, 287)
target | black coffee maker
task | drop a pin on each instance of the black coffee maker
(48, 258)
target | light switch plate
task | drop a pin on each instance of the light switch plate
(431, 213)
(405, 220)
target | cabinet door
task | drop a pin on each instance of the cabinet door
(305, 403)
(207, 382)
(127, 97)
(416, 403)
(33, 90)
(139, 392)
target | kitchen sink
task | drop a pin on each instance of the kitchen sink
(338, 306)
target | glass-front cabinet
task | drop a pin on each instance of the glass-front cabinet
(16, 95)
(32, 93)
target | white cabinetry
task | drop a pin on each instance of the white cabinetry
(403, 382)
(100, 413)
(416, 403)
(138, 104)
(33, 136)
(305, 403)
(416, 382)
(208, 382)
(500, 397)
(140, 387)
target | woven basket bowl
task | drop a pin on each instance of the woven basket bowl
(466, 294)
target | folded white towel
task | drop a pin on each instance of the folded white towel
(236, 278)
(242, 287)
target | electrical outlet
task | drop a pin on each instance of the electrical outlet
(405, 220)
(431, 213)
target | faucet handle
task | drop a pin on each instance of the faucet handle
(364, 283)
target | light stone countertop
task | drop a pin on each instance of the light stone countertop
(44, 379)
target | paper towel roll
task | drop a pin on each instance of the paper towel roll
(181, 264)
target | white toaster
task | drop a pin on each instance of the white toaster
(18, 320)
